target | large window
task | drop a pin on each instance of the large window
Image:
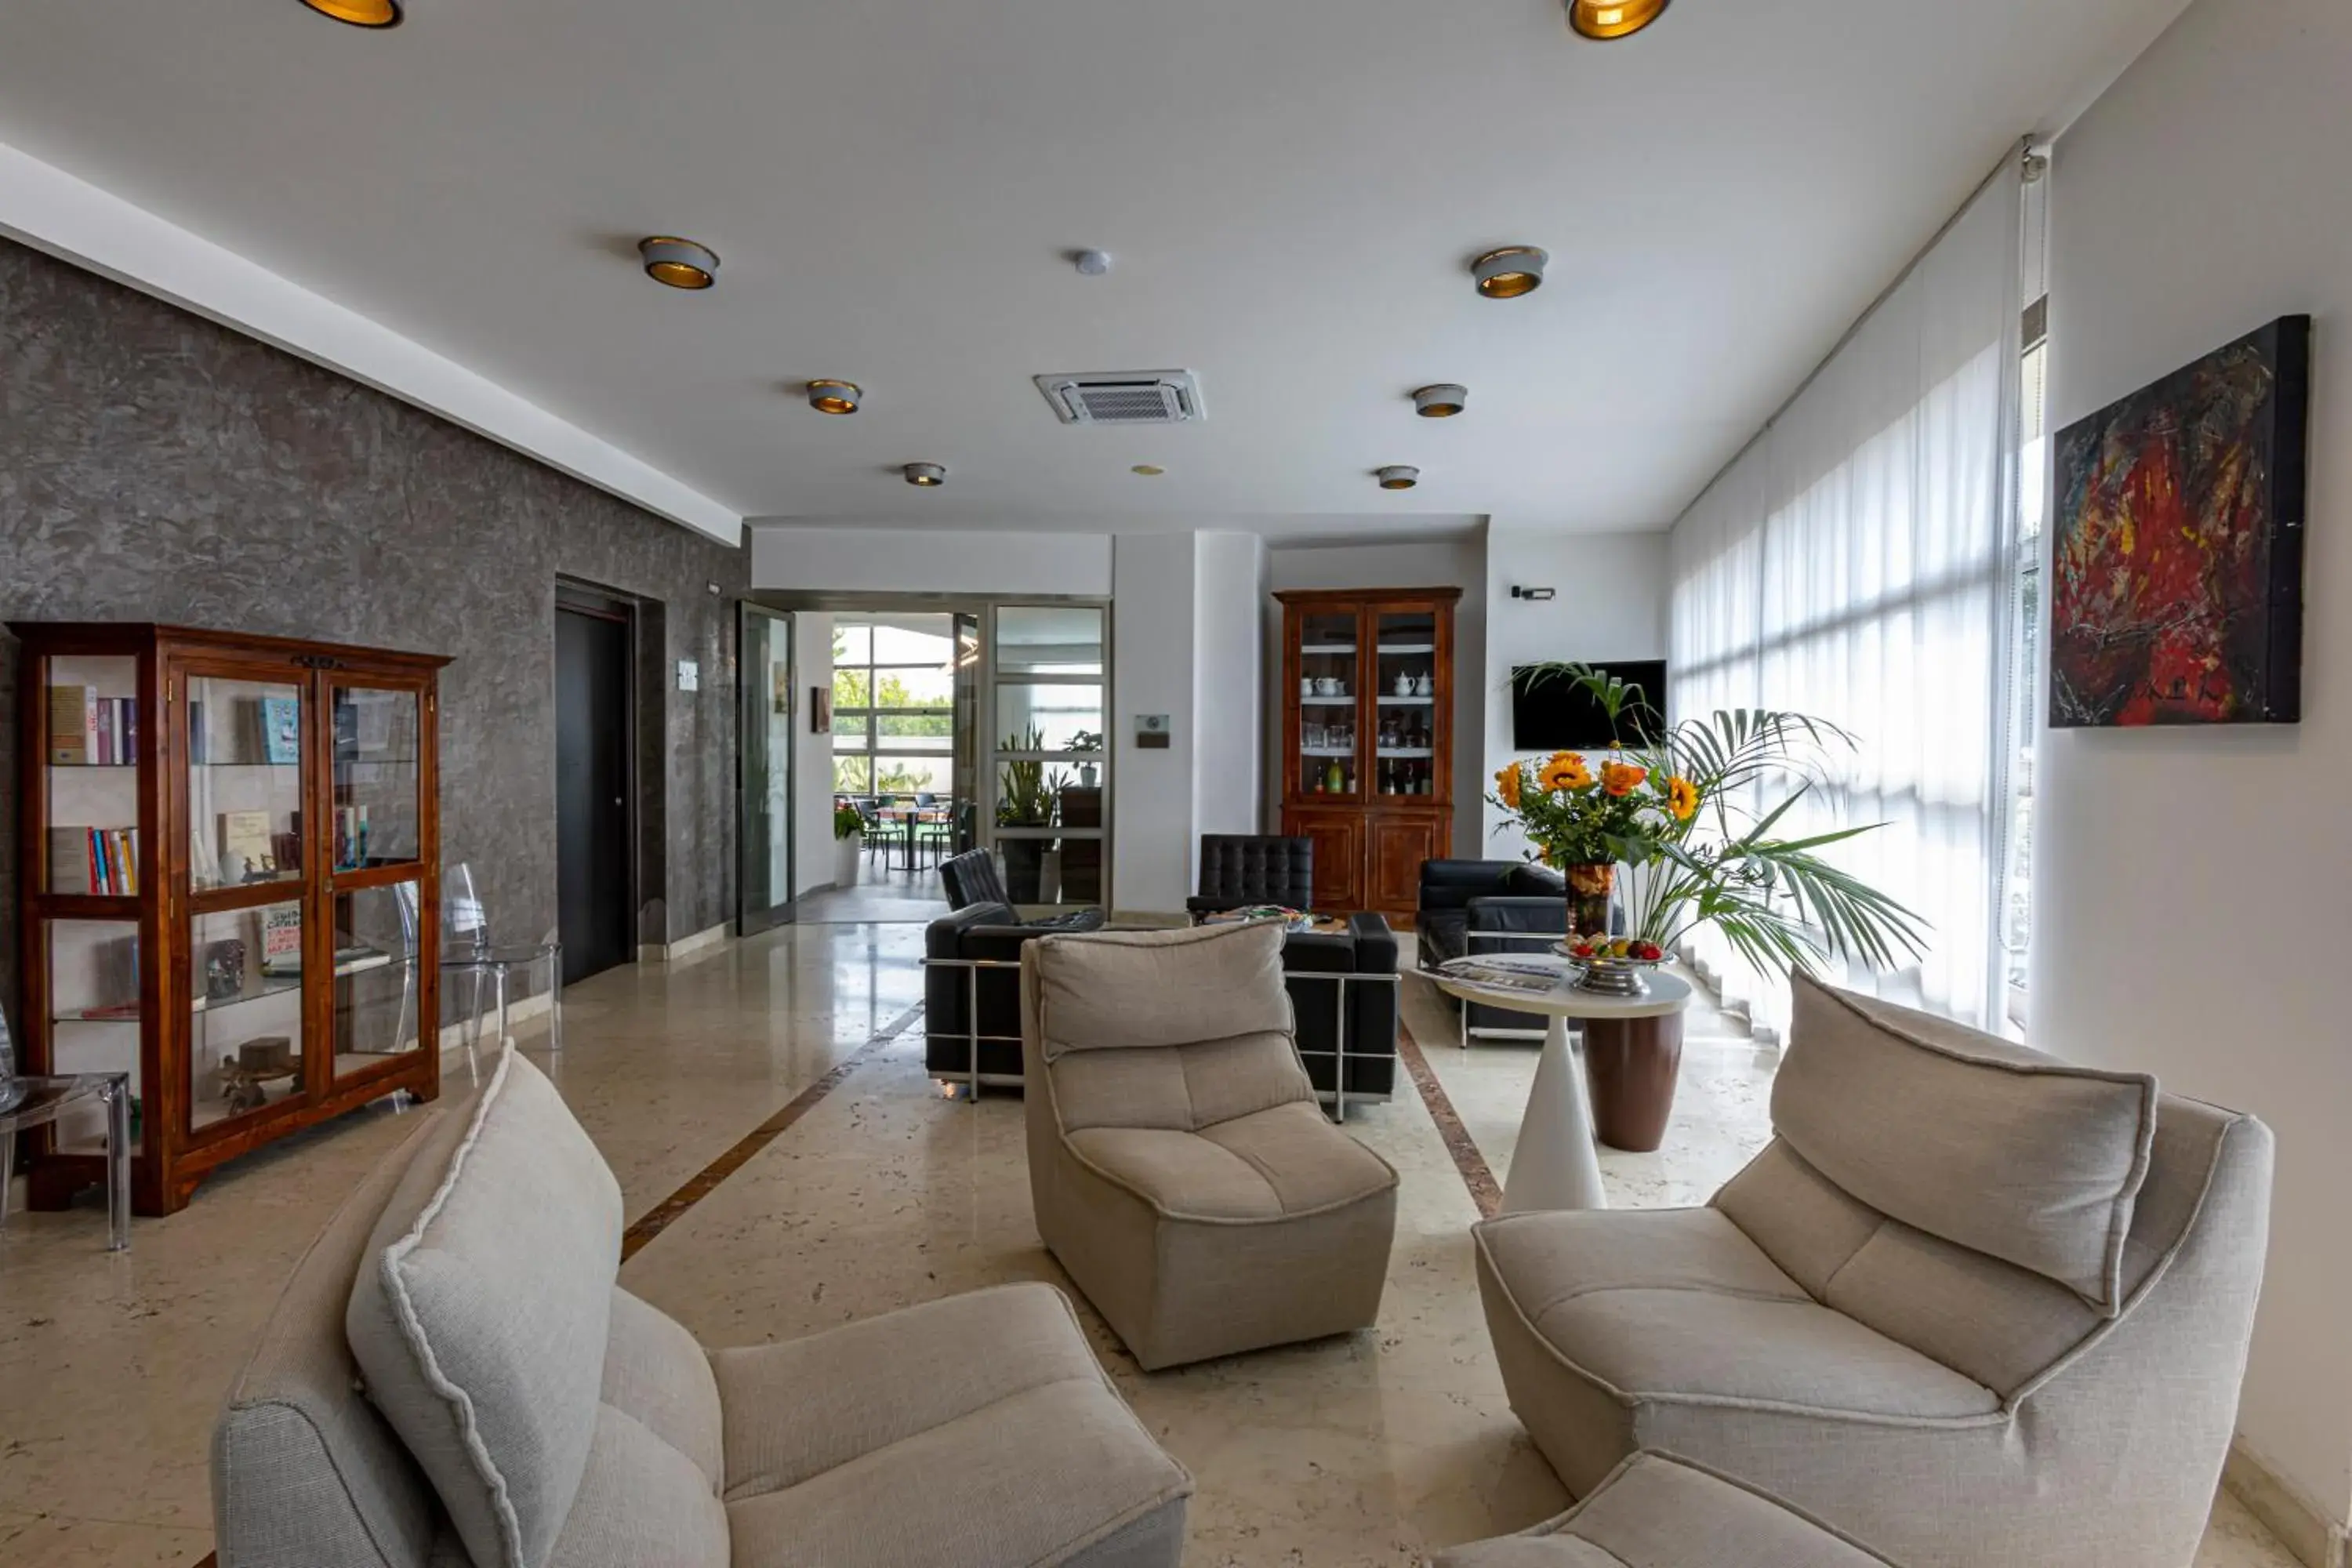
(1858, 564)
(894, 705)
(2025, 626)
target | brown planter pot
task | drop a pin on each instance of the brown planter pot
(1632, 1066)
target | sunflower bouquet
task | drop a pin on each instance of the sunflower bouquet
(1695, 812)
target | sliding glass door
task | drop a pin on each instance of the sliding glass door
(1050, 761)
(763, 801)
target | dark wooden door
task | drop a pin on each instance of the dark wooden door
(1395, 846)
(593, 844)
(1338, 835)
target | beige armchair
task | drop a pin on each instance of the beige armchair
(521, 1411)
(1974, 1306)
(1182, 1172)
(1657, 1511)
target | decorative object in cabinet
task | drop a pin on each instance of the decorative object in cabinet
(226, 841)
(1367, 692)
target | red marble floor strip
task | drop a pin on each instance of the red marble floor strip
(1484, 1191)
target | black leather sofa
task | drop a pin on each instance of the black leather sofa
(1239, 870)
(1479, 907)
(994, 933)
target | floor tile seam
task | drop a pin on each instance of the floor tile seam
(707, 1180)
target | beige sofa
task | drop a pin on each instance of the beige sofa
(1974, 1306)
(1182, 1172)
(521, 1411)
(1655, 1510)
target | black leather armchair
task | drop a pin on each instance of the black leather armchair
(1472, 908)
(982, 933)
(1368, 948)
(1239, 870)
(972, 881)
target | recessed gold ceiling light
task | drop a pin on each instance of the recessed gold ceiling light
(1149, 470)
(1507, 273)
(834, 396)
(1443, 401)
(1396, 477)
(1606, 19)
(926, 475)
(680, 263)
(359, 13)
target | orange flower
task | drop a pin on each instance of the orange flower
(1621, 779)
(1565, 771)
(1506, 786)
(1682, 797)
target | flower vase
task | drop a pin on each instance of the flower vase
(1591, 888)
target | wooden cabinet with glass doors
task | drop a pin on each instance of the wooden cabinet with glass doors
(228, 889)
(1368, 739)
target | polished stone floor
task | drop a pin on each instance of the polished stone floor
(891, 894)
(1367, 1451)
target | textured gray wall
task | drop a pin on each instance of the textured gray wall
(154, 466)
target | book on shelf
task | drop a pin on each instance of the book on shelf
(281, 729)
(281, 939)
(94, 862)
(246, 849)
(90, 730)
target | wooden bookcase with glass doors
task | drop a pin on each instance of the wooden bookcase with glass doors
(228, 880)
(1368, 739)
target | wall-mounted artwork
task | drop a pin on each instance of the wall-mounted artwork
(2175, 591)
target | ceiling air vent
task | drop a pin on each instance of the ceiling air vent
(1125, 397)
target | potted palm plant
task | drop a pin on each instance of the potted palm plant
(1695, 810)
(1027, 796)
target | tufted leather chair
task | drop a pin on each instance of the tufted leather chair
(971, 878)
(1238, 869)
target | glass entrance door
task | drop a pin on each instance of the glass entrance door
(763, 810)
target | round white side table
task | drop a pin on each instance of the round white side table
(1555, 1166)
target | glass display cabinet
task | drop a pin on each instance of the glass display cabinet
(228, 882)
(1368, 739)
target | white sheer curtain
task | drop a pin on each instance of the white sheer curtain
(1855, 563)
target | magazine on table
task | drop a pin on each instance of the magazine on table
(1504, 972)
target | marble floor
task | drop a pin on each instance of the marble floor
(1366, 1450)
(884, 893)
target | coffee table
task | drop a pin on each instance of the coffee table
(1555, 1166)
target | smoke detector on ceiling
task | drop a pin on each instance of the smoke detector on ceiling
(1125, 396)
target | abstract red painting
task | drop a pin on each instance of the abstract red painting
(2177, 563)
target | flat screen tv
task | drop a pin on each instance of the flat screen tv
(1555, 714)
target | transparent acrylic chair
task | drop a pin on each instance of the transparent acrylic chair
(467, 949)
(29, 1102)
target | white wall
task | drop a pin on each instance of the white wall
(1612, 605)
(1441, 563)
(911, 561)
(1228, 684)
(1151, 672)
(2206, 193)
(812, 755)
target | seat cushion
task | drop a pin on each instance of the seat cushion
(1657, 1512)
(1268, 1165)
(1679, 1305)
(1986, 1144)
(978, 1430)
(481, 1320)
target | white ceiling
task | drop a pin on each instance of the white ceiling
(1291, 189)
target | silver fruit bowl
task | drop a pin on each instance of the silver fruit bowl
(1611, 976)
